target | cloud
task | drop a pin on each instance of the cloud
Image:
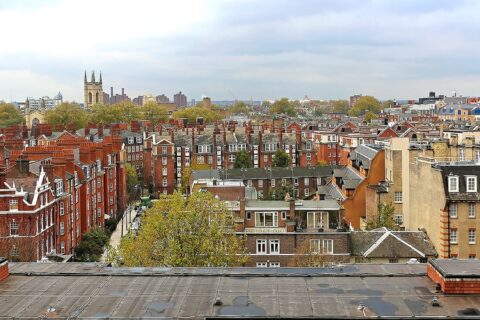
(263, 49)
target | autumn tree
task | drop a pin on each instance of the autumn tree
(309, 254)
(10, 115)
(242, 160)
(179, 232)
(154, 113)
(195, 112)
(132, 181)
(365, 103)
(280, 159)
(66, 114)
(101, 114)
(239, 107)
(369, 116)
(388, 104)
(126, 111)
(340, 106)
(384, 217)
(187, 173)
(283, 106)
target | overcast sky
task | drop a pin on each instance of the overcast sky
(263, 49)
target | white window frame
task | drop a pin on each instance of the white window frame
(327, 246)
(472, 236)
(284, 215)
(62, 228)
(398, 197)
(261, 246)
(315, 245)
(164, 171)
(398, 218)
(274, 246)
(164, 161)
(62, 247)
(14, 226)
(62, 208)
(259, 222)
(472, 210)
(274, 264)
(261, 264)
(272, 182)
(467, 183)
(453, 236)
(453, 184)
(453, 210)
(164, 182)
(13, 204)
(260, 183)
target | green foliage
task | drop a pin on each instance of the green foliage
(153, 112)
(66, 114)
(283, 106)
(383, 218)
(340, 106)
(322, 163)
(266, 104)
(132, 181)
(179, 232)
(242, 160)
(369, 116)
(279, 193)
(280, 159)
(196, 112)
(126, 111)
(103, 114)
(91, 246)
(10, 115)
(365, 103)
(388, 104)
(239, 107)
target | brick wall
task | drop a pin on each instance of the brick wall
(3, 269)
(454, 285)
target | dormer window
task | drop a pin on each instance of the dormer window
(130, 140)
(59, 187)
(452, 184)
(471, 182)
(139, 140)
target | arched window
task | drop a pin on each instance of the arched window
(96, 97)
(89, 97)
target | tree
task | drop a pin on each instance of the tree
(322, 163)
(279, 193)
(365, 103)
(280, 159)
(195, 112)
(132, 181)
(101, 114)
(340, 106)
(383, 217)
(154, 113)
(187, 173)
(91, 246)
(126, 111)
(179, 232)
(283, 106)
(388, 104)
(369, 116)
(66, 114)
(308, 255)
(239, 107)
(242, 160)
(10, 115)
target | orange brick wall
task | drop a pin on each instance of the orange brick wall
(454, 285)
(3, 270)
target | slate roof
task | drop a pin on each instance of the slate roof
(275, 173)
(382, 243)
(364, 154)
(460, 170)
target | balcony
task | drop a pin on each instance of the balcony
(265, 230)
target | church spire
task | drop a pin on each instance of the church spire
(100, 76)
(93, 76)
(85, 79)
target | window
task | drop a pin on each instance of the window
(477, 156)
(307, 192)
(99, 197)
(261, 246)
(472, 210)
(59, 187)
(249, 215)
(269, 147)
(266, 219)
(306, 181)
(328, 246)
(309, 156)
(139, 140)
(260, 183)
(315, 245)
(471, 184)
(15, 252)
(472, 236)
(130, 140)
(398, 196)
(284, 182)
(453, 236)
(164, 150)
(261, 264)
(308, 145)
(164, 161)
(295, 181)
(164, 182)
(393, 260)
(274, 264)
(249, 182)
(62, 208)
(273, 183)
(77, 214)
(461, 154)
(472, 256)
(206, 148)
(13, 204)
(231, 158)
(164, 171)
(452, 184)
(398, 218)
(453, 210)
(62, 228)
(284, 215)
(265, 158)
(274, 246)
(200, 160)
(14, 228)
(99, 212)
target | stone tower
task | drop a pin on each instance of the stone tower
(93, 90)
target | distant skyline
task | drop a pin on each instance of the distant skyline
(241, 49)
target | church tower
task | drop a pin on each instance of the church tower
(93, 91)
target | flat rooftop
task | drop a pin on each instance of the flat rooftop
(86, 290)
(453, 268)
